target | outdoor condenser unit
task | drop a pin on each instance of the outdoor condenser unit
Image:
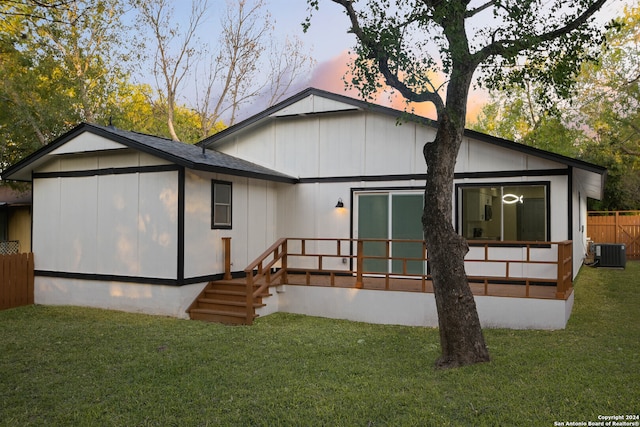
(610, 255)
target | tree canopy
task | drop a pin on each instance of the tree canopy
(431, 51)
(599, 122)
(58, 66)
(69, 61)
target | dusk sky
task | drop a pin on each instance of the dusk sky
(328, 42)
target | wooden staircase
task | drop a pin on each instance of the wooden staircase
(225, 301)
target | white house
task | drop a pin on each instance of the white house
(133, 222)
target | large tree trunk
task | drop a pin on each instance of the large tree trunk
(461, 338)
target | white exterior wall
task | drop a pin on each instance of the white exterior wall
(579, 227)
(356, 144)
(415, 309)
(109, 224)
(253, 223)
(308, 210)
(347, 144)
(132, 297)
(114, 225)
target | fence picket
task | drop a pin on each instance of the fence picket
(16, 275)
(616, 227)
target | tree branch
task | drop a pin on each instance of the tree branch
(380, 56)
(511, 48)
(471, 13)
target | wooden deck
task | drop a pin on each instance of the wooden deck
(416, 285)
(533, 271)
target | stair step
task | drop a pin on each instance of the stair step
(218, 301)
(218, 304)
(231, 284)
(225, 295)
(224, 301)
(221, 316)
(233, 292)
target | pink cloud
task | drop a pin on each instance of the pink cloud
(329, 75)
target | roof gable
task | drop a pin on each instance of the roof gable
(91, 142)
(313, 104)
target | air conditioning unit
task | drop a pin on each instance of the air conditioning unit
(610, 255)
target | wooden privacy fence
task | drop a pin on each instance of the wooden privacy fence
(16, 280)
(616, 227)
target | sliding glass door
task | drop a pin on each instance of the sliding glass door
(397, 216)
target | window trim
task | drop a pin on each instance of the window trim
(217, 225)
(459, 207)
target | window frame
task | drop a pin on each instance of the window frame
(216, 225)
(459, 201)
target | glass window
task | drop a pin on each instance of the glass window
(504, 212)
(221, 204)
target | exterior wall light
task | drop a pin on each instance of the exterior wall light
(340, 204)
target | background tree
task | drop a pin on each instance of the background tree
(234, 75)
(514, 114)
(287, 63)
(229, 80)
(401, 43)
(227, 73)
(176, 49)
(136, 108)
(608, 104)
(599, 125)
(58, 66)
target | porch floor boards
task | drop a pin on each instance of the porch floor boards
(415, 285)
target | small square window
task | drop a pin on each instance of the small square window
(220, 204)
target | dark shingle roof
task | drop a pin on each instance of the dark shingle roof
(189, 156)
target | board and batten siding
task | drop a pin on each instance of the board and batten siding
(331, 145)
(254, 205)
(106, 239)
(366, 147)
(127, 225)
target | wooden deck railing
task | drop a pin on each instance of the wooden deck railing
(552, 260)
(488, 262)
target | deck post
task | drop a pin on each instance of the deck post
(227, 257)
(563, 271)
(359, 264)
(283, 263)
(249, 301)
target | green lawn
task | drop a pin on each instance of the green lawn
(84, 367)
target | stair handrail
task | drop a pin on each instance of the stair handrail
(253, 265)
(278, 250)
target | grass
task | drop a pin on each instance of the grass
(88, 367)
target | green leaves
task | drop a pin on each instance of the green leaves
(62, 65)
(599, 121)
(405, 44)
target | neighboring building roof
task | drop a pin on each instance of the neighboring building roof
(14, 197)
(189, 156)
(591, 175)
